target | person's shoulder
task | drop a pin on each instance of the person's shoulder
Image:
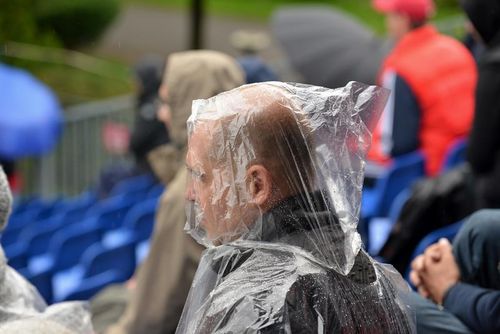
(452, 45)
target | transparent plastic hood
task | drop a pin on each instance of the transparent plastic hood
(310, 140)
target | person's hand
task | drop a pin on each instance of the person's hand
(435, 271)
(417, 266)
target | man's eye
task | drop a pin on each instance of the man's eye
(199, 176)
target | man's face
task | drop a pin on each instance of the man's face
(397, 25)
(212, 187)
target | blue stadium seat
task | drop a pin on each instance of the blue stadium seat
(99, 258)
(156, 191)
(66, 247)
(17, 255)
(455, 155)
(49, 208)
(75, 211)
(37, 236)
(141, 251)
(141, 218)
(23, 219)
(96, 260)
(42, 281)
(66, 281)
(138, 224)
(11, 235)
(404, 170)
(26, 204)
(88, 287)
(379, 228)
(110, 213)
(22, 203)
(134, 185)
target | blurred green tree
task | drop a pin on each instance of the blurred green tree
(70, 23)
(18, 23)
(76, 22)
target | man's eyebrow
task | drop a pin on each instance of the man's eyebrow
(193, 170)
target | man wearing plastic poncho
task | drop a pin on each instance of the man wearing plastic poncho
(22, 309)
(274, 192)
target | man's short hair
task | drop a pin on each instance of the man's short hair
(268, 129)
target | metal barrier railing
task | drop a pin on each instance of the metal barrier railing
(76, 162)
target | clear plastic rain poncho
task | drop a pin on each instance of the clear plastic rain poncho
(276, 172)
(22, 309)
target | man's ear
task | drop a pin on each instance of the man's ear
(259, 183)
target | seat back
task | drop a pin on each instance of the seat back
(380, 228)
(17, 255)
(455, 155)
(134, 185)
(447, 232)
(403, 172)
(38, 237)
(112, 211)
(99, 259)
(90, 286)
(42, 281)
(77, 209)
(141, 217)
(70, 243)
(156, 191)
(11, 235)
(23, 219)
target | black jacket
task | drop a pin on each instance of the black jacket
(477, 307)
(484, 142)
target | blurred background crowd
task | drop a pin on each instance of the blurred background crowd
(94, 100)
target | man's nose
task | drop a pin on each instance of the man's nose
(190, 194)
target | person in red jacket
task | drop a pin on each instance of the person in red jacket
(432, 78)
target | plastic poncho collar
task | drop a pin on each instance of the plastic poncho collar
(294, 264)
(22, 309)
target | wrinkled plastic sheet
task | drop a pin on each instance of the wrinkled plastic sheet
(274, 193)
(22, 309)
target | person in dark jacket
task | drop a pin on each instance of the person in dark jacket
(274, 190)
(464, 279)
(148, 132)
(484, 141)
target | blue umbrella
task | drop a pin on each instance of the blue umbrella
(30, 115)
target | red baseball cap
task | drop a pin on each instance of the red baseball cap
(417, 10)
